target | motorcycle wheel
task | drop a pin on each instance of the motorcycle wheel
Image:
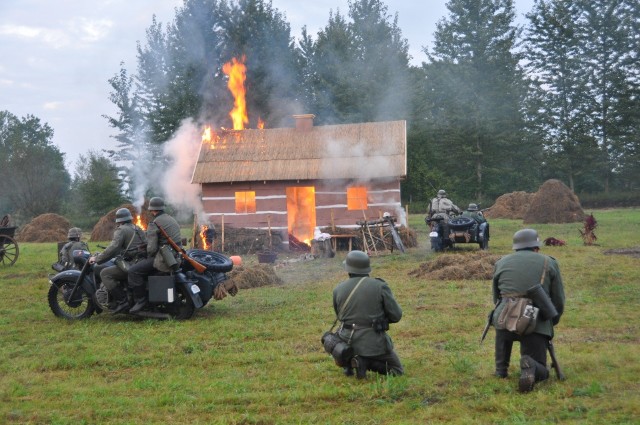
(213, 261)
(436, 244)
(484, 245)
(81, 307)
(182, 308)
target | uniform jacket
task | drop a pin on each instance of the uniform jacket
(155, 239)
(476, 215)
(443, 206)
(518, 272)
(120, 241)
(372, 300)
(66, 253)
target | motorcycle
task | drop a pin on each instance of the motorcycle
(445, 233)
(74, 294)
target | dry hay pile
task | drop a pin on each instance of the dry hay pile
(45, 228)
(474, 266)
(510, 205)
(254, 276)
(244, 241)
(103, 230)
(554, 202)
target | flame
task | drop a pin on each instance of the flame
(139, 222)
(211, 138)
(237, 72)
(260, 123)
(301, 216)
(203, 234)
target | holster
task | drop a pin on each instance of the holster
(541, 300)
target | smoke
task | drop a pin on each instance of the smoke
(182, 151)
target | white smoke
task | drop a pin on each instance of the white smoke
(182, 151)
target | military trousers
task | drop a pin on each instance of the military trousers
(139, 272)
(533, 345)
(112, 277)
(385, 364)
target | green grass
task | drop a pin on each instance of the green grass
(257, 359)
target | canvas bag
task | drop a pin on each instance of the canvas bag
(519, 314)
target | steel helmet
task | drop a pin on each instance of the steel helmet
(123, 214)
(357, 262)
(156, 204)
(525, 238)
(472, 207)
(442, 192)
(74, 233)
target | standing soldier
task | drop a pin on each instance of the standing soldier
(365, 306)
(127, 241)
(155, 261)
(514, 275)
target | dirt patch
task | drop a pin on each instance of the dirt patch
(554, 202)
(510, 205)
(468, 266)
(254, 276)
(45, 228)
(631, 252)
(103, 230)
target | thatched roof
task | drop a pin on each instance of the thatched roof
(348, 151)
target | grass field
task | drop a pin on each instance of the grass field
(257, 359)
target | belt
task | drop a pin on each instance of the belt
(354, 326)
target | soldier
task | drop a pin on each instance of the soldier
(154, 262)
(127, 242)
(441, 206)
(514, 275)
(66, 253)
(365, 306)
(474, 212)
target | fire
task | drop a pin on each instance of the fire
(211, 138)
(203, 237)
(237, 72)
(139, 222)
(260, 123)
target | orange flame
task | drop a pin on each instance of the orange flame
(203, 232)
(237, 72)
(139, 222)
(260, 123)
(211, 138)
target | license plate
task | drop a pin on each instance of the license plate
(433, 234)
(195, 289)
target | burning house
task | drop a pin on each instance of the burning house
(292, 180)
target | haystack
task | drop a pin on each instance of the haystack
(45, 228)
(475, 266)
(554, 202)
(254, 276)
(103, 230)
(512, 205)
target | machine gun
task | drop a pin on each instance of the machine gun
(197, 266)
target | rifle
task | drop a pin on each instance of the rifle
(554, 362)
(488, 325)
(197, 266)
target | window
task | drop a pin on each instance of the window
(357, 198)
(245, 202)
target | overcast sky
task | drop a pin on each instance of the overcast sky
(57, 55)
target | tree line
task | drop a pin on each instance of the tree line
(494, 107)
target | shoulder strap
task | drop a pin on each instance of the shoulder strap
(347, 301)
(544, 270)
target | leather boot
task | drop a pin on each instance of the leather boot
(360, 366)
(527, 374)
(503, 355)
(140, 296)
(122, 303)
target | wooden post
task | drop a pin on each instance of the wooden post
(195, 231)
(406, 209)
(373, 242)
(222, 238)
(333, 224)
(269, 228)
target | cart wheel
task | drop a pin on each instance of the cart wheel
(9, 250)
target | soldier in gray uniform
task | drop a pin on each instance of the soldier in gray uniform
(365, 306)
(139, 272)
(126, 241)
(514, 275)
(66, 253)
(441, 206)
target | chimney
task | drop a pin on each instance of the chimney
(304, 122)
